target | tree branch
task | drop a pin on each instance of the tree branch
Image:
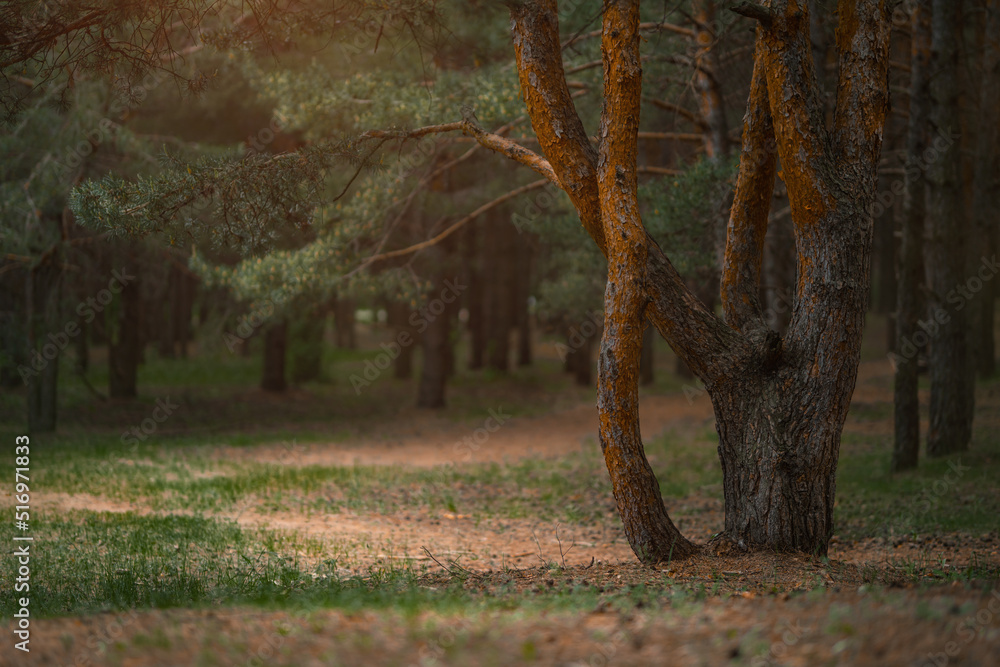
(564, 142)
(534, 185)
(754, 11)
(751, 205)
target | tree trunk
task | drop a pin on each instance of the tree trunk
(123, 344)
(434, 343)
(780, 401)
(522, 311)
(275, 344)
(952, 385)
(307, 346)
(906, 448)
(985, 200)
(183, 309)
(43, 294)
(475, 302)
(500, 290)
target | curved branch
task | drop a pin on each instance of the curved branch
(534, 185)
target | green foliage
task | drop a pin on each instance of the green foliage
(683, 213)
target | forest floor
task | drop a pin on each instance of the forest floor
(428, 539)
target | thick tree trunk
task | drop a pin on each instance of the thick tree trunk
(123, 344)
(952, 380)
(909, 307)
(275, 345)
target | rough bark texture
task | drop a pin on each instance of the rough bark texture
(909, 304)
(949, 361)
(434, 344)
(649, 530)
(780, 403)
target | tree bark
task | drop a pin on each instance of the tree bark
(950, 364)
(909, 306)
(275, 345)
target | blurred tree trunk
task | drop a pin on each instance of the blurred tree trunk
(501, 285)
(909, 304)
(42, 297)
(985, 199)
(525, 261)
(473, 258)
(646, 360)
(123, 343)
(434, 341)
(952, 380)
(275, 346)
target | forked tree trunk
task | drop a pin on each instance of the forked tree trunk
(906, 448)
(780, 401)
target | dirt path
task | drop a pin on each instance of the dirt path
(423, 440)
